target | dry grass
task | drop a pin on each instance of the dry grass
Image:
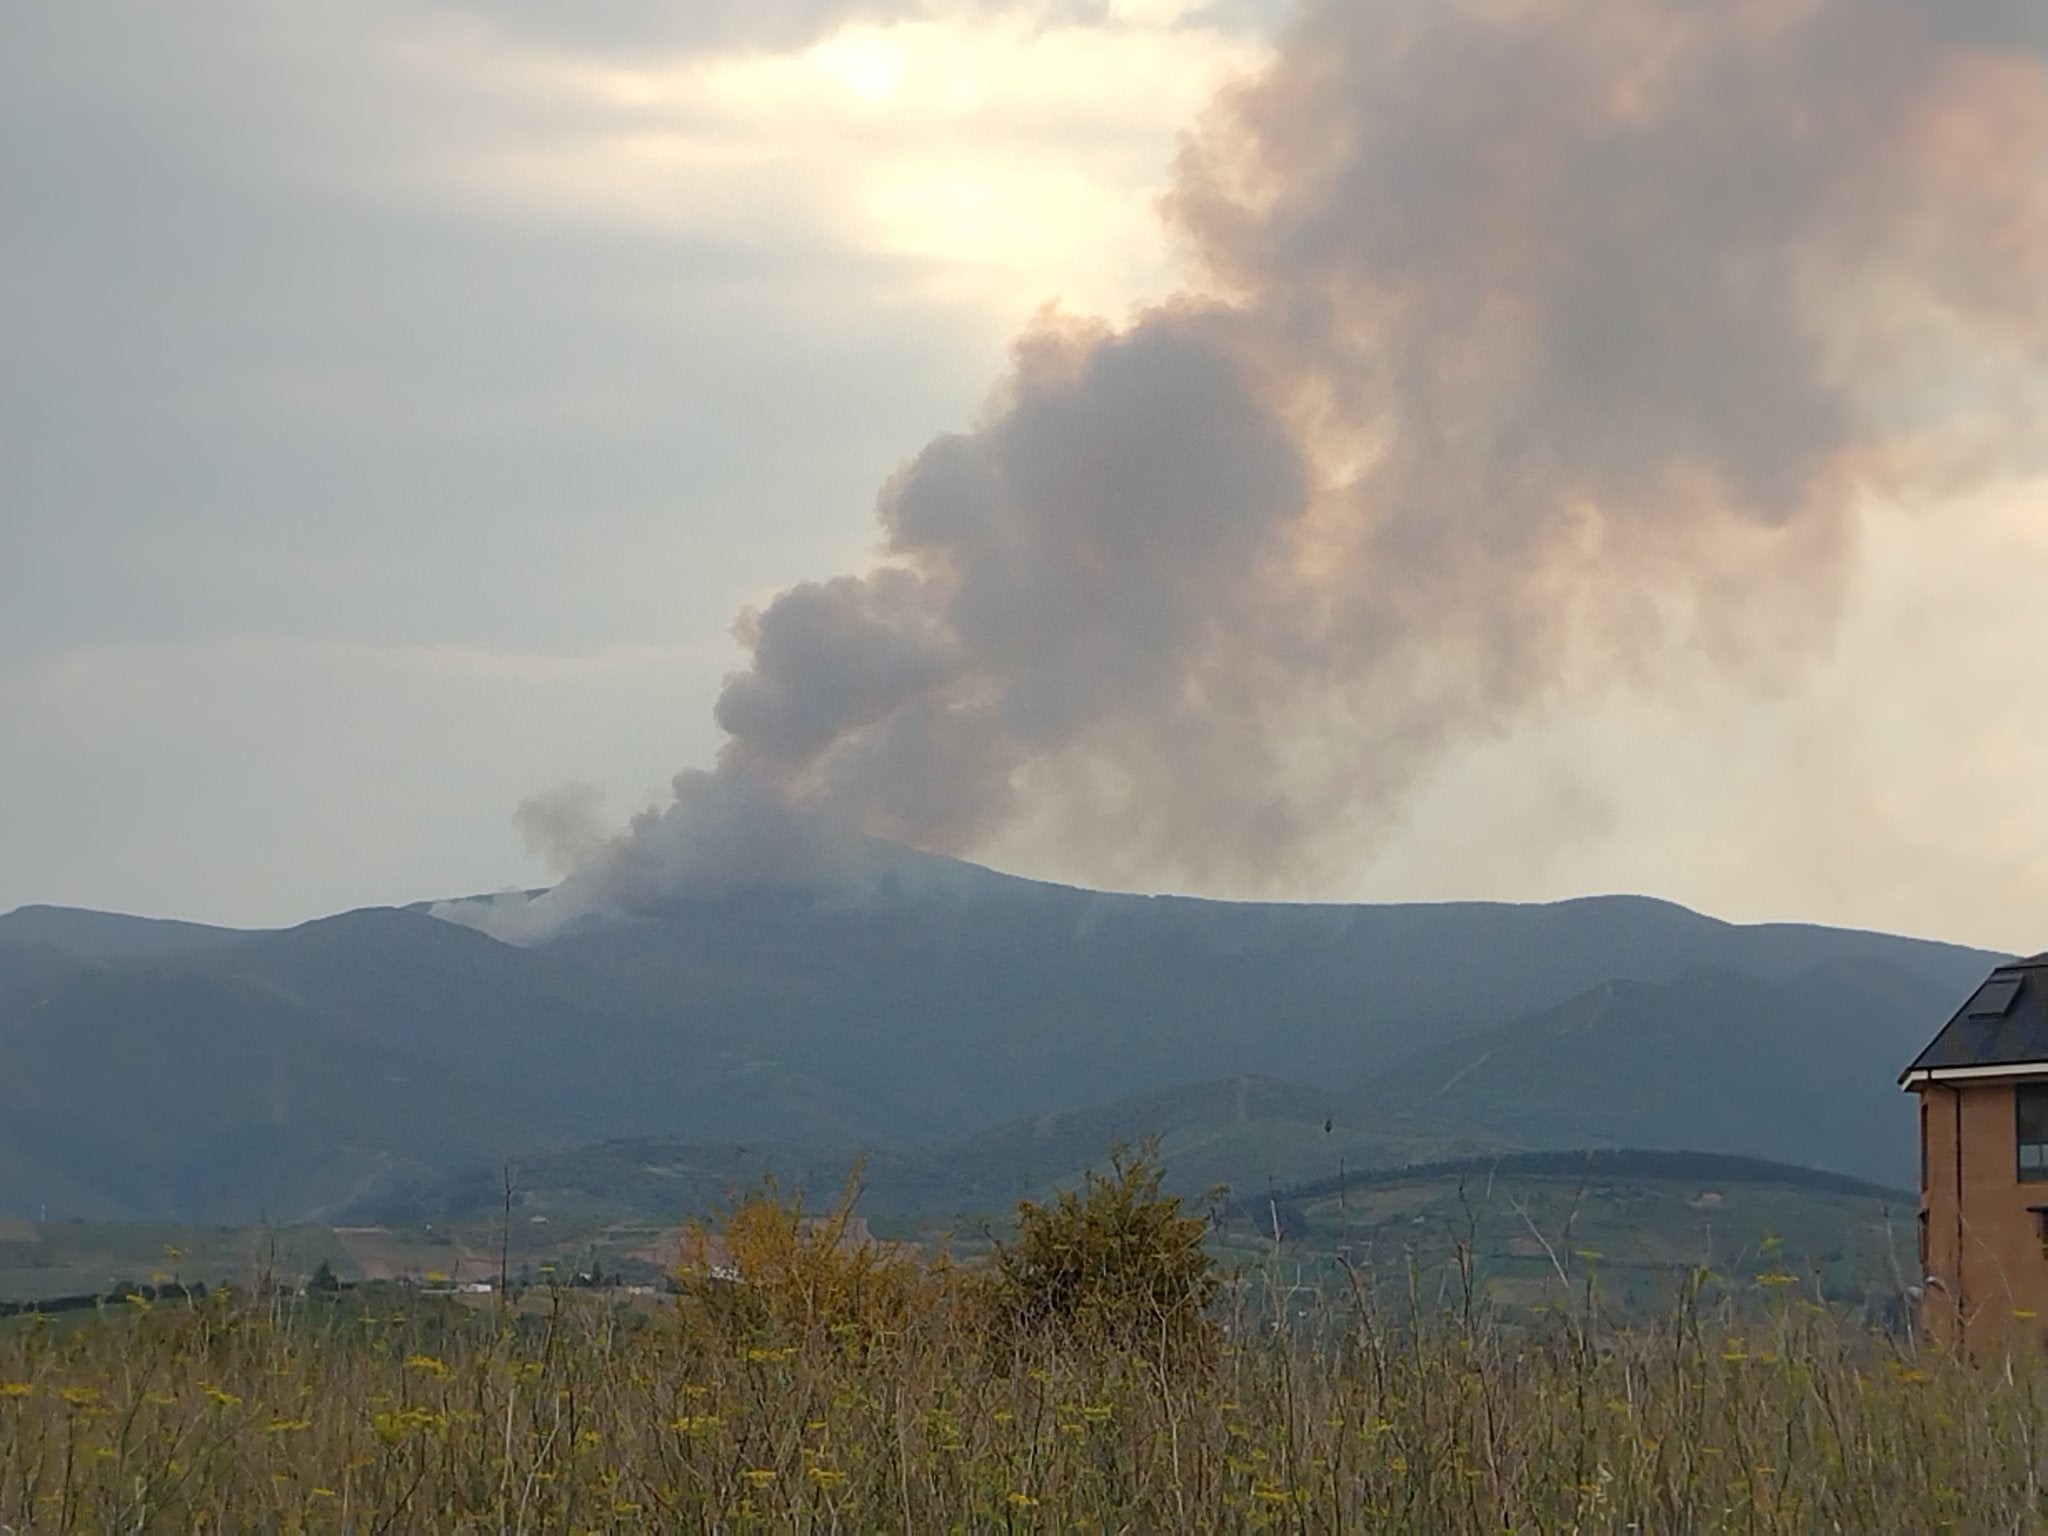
(873, 1394)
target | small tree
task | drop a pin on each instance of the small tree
(772, 1273)
(1114, 1262)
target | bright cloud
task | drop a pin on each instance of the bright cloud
(1010, 160)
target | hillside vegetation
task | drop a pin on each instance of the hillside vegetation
(1524, 1231)
(174, 1072)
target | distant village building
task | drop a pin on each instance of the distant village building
(695, 1251)
(1983, 1087)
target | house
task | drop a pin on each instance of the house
(1983, 1087)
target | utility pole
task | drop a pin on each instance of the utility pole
(505, 1244)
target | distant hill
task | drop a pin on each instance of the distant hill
(1799, 1070)
(1247, 1139)
(144, 1090)
(1625, 1231)
(1244, 1132)
(1251, 1132)
(108, 935)
(1590, 1166)
(276, 1072)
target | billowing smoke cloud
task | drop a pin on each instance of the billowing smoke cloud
(1534, 346)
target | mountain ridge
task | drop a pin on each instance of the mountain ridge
(932, 1007)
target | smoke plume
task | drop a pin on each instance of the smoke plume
(1532, 346)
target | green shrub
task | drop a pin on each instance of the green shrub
(1116, 1261)
(770, 1273)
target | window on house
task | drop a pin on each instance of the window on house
(2030, 1106)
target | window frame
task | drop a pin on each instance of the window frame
(2037, 1172)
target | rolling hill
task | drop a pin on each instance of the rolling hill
(1251, 1132)
(230, 1073)
(1789, 1070)
(1627, 1231)
(108, 935)
(145, 1089)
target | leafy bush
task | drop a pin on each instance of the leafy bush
(1116, 1261)
(769, 1271)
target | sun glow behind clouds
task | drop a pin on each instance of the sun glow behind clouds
(1004, 160)
(864, 62)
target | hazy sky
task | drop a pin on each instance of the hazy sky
(402, 399)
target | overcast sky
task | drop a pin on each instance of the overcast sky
(402, 399)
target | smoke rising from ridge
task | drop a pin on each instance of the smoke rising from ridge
(1531, 348)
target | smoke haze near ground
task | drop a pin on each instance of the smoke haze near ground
(1531, 349)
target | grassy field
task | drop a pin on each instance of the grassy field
(377, 1411)
(1096, 1372)
(1620, 1344)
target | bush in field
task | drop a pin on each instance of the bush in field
(1115, 1261)
(770, 1270)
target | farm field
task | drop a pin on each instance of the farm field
(63, 1257)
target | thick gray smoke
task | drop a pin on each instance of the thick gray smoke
(1534, 346)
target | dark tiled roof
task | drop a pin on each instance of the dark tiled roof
(2003, 1023)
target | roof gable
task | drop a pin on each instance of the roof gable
(2003, 1023)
